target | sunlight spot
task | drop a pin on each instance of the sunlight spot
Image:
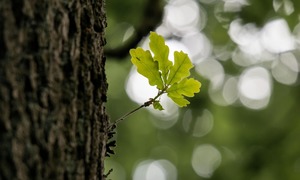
(203, 124)
(241, 58)
(255, 87)
(247, 37)
(128, 33)
(155, 170)
(163, 30)
(175, 45)
(223, 52)
(296, 33)
(181, 16)
(139, 91)
(138, 88)
(221, 16)
(242, 34)
(212, 70)
(205, 160)
(286, 69)
(234, 5)
(276, 36)
(226, 94)
(167, 117)
(230, 91)
(288, 59)
(216, 95)
(199, 46)
(254, 83)
(285, 6)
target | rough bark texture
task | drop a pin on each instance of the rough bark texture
(52, 89)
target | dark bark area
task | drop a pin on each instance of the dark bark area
(52, 89)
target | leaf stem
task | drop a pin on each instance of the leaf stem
(146, 104)
(128, 114)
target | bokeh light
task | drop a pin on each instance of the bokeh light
(234, 5)
(276, 37)
(230, 90)
(286, 6)
(203, 124)
(200, 125)
(256, 46)
(226, 93)
(255, 87)
(155, 170)
(286, 69)
(248, 62)
(198, 45)
(212, 70)
(247, 37)
(182, 16)
(205, 160)
(139, 90)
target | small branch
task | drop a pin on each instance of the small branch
(146, 104)
(128, 114)
(108, 173)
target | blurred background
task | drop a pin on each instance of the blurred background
(245, 122)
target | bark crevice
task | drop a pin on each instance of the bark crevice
(52, 90)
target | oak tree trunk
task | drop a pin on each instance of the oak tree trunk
(52, 89)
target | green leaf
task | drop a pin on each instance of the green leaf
(161, 54)
(186, 87)
(181, 102)
(168, 77)
(147, 66)
(157, 105)
(180, 69)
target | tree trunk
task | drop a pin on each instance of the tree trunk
(52, 89)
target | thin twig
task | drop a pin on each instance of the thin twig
(128, 114)
(146, 104)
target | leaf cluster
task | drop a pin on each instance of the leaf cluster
(168, 77)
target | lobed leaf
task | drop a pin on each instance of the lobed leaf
(157, 105)
(186, 87)
(168, 77)
(180, 101)
(146, 66)
(161, 54)
(180, 69)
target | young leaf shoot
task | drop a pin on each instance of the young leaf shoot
(170, 78)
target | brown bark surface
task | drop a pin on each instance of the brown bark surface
(52, 89)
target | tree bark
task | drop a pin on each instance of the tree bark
(52, 89)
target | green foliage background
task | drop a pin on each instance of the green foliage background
(264, 144)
